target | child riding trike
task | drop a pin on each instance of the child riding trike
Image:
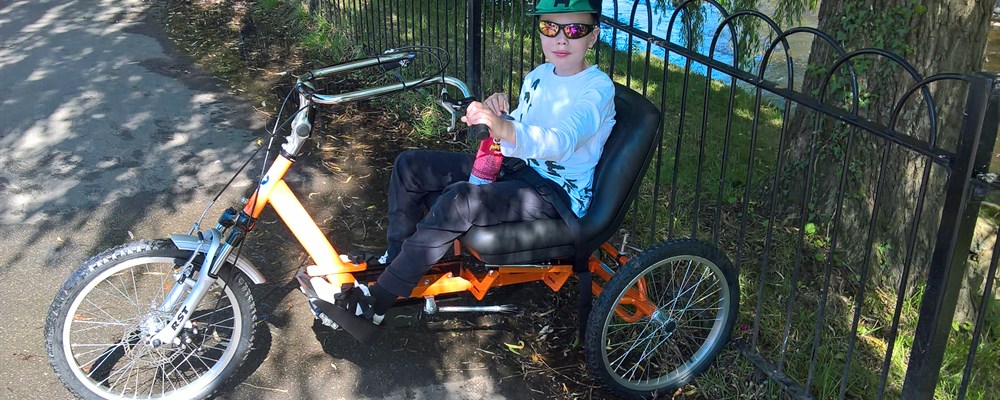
(174, 318)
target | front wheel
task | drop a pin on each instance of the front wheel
(662, 319)
(96, 327)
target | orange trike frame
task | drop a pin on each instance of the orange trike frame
(336, 270)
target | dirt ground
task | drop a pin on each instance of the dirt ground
(164, 109)
(342, 179)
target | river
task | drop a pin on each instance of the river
(799, 44)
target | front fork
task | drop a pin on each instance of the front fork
(217, 253)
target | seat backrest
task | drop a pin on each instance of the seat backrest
(618, 174)
(627, 153)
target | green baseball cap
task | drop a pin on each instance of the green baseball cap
(565, 6)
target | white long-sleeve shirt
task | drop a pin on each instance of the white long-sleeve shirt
(561, 124)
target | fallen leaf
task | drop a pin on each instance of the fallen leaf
(515, 348)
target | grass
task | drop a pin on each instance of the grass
(215, 56)
(712, 165)
(284, 33)
(716, 165)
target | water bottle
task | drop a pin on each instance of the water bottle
(486, 167)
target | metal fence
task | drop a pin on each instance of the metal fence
(850, 205)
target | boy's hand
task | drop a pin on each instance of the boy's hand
(479, 113)
(498, 103)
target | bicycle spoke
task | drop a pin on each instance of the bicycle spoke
(138, 307)
(136, 381)
(122, 280)
(164, 379)
(625, 353)
(179, 375)
(694, 291)
(114, 373)
(673, 302)
(163, 292)
(647, 351)
(222, 345)
(686, 301)
(100, 323)
(635, 342)
(144, 377)
(105, 312)
(194, 369)
(217, 324)
(708, 307)
(113, 295)
(186, 359)
(637, 338)
(202, 316)
(635, 366)
(78, 355)
(122, 302)
(667, 278)
(107, 352)
(685, 292)
(626, 324)
(106, 355)
(697, 317)
(203, 358)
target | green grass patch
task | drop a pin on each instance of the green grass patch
(714, 174)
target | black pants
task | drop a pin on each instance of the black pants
(437, 182)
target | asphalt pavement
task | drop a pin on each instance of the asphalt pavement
(109, 135)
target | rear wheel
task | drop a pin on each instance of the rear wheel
(98, 327)
(662, 319)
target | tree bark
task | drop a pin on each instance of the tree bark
(934, 36)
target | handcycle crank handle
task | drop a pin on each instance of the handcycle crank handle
(481, 131)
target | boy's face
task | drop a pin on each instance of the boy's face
(567, 55)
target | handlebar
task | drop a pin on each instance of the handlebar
(301, 127)
(391, 59)
(365, 94)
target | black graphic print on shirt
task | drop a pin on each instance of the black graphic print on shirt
(553, 170)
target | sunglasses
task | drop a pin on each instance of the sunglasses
(574, 30)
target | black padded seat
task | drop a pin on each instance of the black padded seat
(626, 155)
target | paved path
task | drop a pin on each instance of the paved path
(108, 134)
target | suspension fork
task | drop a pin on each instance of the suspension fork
(240, 223)
(218, 252)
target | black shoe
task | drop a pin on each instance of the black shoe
(373, 260)
(353, 311)
(364, 330)
(359, 301)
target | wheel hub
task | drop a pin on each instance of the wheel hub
(153, 322)
(664, 321)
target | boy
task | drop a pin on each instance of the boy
(564, 115)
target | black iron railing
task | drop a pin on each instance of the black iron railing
(836, 211)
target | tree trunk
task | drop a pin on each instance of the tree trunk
(935, 36)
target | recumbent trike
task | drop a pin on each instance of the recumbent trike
(174, 318)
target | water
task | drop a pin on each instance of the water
(660, 22)
(799, 45)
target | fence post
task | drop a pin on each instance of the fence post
(954, 236)
(474, 47)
